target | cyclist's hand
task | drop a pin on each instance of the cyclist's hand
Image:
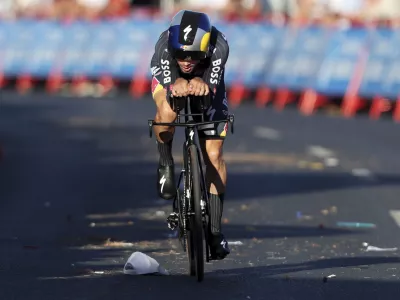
(198, 87)
(180, 88)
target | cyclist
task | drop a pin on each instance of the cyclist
(189, 60)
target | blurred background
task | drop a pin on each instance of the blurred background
(298, 11)
(294, 49)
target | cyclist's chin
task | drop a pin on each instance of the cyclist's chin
(187, 70)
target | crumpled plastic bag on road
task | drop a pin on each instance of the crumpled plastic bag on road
(139, 264)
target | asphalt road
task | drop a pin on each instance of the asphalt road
(77, 197)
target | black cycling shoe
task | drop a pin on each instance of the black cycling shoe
(219, 247)
(166, 182)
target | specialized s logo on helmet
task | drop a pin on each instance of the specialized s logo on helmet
(187, 30)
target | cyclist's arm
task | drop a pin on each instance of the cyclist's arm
(214, 72)
(163, 69)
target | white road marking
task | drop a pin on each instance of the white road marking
(395, 214)
(266, 133)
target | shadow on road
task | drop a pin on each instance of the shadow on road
(266, 282)
(104, 159)
(365, 262)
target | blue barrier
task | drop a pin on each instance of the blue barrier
(21, 38)
(255, 52)
(325, 60)
(382, 71)
(298, 58)
(340, 61)
(45, 50)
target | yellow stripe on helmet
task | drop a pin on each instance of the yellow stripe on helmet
(205, 40)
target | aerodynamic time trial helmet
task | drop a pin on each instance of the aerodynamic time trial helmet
(189, 35)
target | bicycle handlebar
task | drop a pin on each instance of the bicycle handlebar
(151, 123)
(204, 101)
(176, 107)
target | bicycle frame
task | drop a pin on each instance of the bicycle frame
(191, 131)
(191, 138)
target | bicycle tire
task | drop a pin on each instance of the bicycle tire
(197, 218)
(184, 210)
(191, 253)
(189, 246)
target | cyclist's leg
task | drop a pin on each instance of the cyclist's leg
(211, 141)
(164, 134)
(164, 114)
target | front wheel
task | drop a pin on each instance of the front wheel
(196, 219)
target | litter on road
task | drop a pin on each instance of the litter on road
(332, 210)
(160, 213)
(331, 162)
(377, 249)
(277, 258)
(235, 243)
(355, 225)
(325, 279)
(139, 264)
(300, 216)
(361, 172)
